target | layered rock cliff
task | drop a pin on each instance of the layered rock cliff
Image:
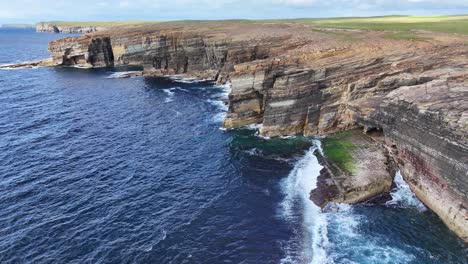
(51, 27)
(294, 80)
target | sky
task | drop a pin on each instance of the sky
(31, 11)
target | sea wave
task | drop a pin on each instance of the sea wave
(117, 75)
(402, 196)
(297, 187)
(332, 235)
(352, 245)
(170, 94)
(182, 79)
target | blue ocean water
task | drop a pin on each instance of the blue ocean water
(95, 169)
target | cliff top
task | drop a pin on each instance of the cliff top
(443, 24)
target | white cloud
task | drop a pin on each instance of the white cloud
(295, 2)
(124, 4)
(37, 10)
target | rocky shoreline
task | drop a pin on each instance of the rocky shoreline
(295, 80)
(368, 172)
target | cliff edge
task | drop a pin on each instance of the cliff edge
(63, 27)
(296, 79)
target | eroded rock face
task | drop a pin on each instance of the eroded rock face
(371, 175)
(49, 27)
(426, 127)
(297, 81)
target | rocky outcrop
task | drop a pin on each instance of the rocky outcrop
(294, 80)
(29, 64)
(367, 174)
(426, 130)
(51, 27)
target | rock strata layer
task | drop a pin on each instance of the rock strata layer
(50, 27)
(370, 174)
(295, 80)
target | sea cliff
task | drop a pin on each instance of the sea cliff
(57, 27)
(294, 79)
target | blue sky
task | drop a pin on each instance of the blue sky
(30, 11)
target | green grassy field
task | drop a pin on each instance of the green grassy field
(406, 36)
(445, 24)
(341, 35)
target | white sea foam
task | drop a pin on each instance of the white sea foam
(184, 79)
(253, 152)
(226, 88)
(219, 104)
(262, 137)
(218, 101)
(163, 237)
(335, 234)
(402, 195)
(253, 126)
(122, 74)
(170, 95)
(353, 245)
(219, 117)
(297, 187)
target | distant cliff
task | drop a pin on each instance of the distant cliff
(62, 27)
(84, 27)
(293, 79)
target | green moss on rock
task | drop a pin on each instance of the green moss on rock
(337, 148)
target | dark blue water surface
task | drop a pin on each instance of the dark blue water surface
(103, 170)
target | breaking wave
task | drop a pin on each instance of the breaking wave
(185, 79)
(122, 74)
(353, 245)
(333, 235)
(402, 196)
(218, 100)
(297, 187)
(170, 95)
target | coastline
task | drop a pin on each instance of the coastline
(297, 81)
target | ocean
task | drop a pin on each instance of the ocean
(100, 169)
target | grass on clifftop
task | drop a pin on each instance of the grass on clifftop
(443, 24)
(340, 35)
(406, 36)
(337, 148)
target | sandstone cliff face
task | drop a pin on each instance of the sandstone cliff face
(49, 27)
(426, 129)
(297, 81)
(173, 50)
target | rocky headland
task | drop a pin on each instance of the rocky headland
(409, 96)
(52, 27)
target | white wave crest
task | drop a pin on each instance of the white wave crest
(297, 187)
(123, 74)
(219, 104)
(170, 95)
(226, 88)
(219, 117)
(253, 127)
(402, 195)
(352, 245)
(182, 79)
